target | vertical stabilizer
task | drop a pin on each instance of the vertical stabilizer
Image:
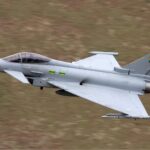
(140, 66)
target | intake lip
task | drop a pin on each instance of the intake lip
(1, 65)
(147, 87)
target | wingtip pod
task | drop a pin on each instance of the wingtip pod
(124, 116)
(101, 52)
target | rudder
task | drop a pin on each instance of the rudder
(140, 66)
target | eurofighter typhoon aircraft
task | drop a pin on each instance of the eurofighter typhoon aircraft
(98, 78)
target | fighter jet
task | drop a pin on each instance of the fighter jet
(98, 78)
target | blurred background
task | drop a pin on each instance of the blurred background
(68, 30)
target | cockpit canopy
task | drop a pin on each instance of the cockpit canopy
(26, 57)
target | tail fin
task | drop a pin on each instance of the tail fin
(140, 66)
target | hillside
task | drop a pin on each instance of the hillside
(68, 30)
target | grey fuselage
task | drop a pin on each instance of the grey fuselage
(40, 74)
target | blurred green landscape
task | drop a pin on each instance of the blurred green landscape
(68, 30)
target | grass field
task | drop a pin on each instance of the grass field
(68, 30)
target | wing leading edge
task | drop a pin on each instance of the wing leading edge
(120, 100)
(99, 61)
